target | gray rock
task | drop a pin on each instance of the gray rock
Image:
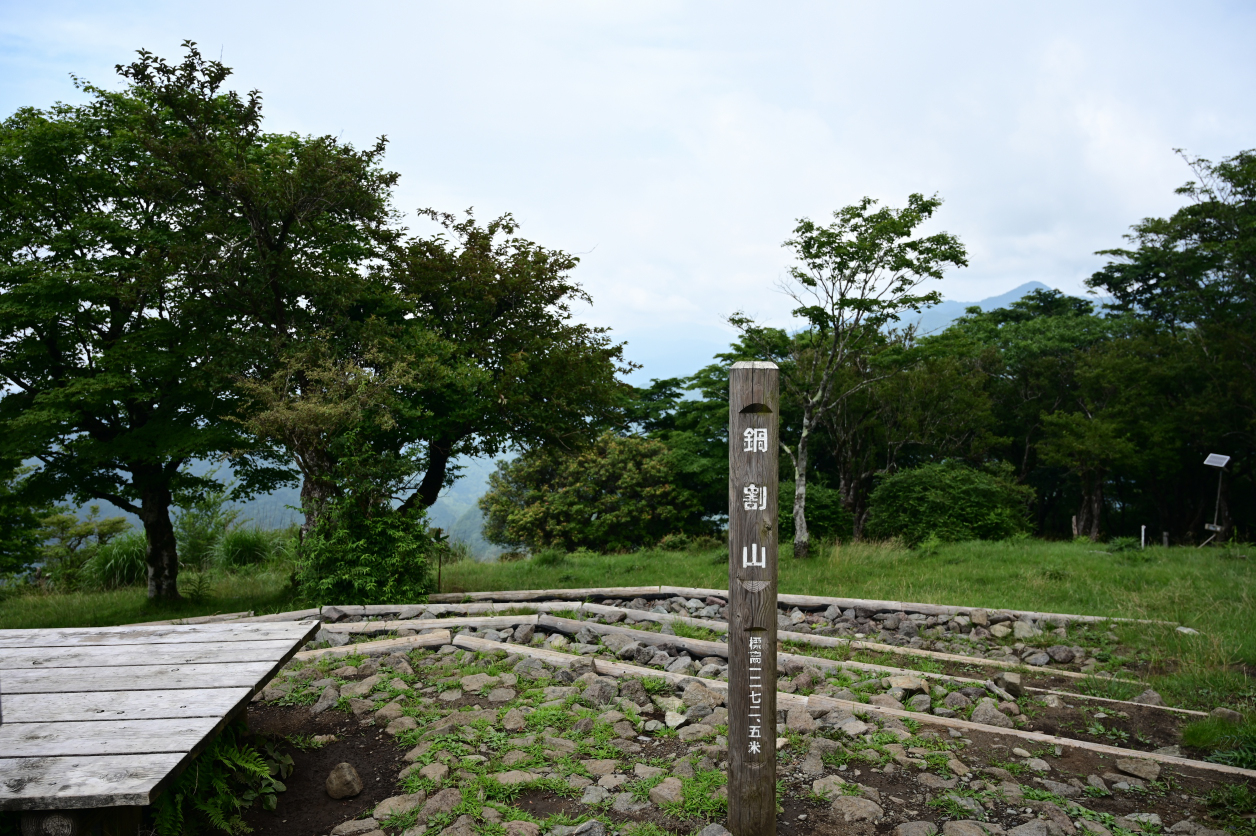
(986, 714)
(625, 803)
(799, 720)
(920, 702)
(1035, 827)
(697, 694)
(343, 782)
(524, 633)
(916, 828)
(1010, 681)
(956, 700)
(1139, 768)
(592, 827)
(972, 805)
(963, 827)
(601, 691)
(935, 782)
(442, 802)
(667, 792)
(326, 700)
(1060, 654)
(714, 829)
(464, 826)
(683, 665)
(1148, 697)
(594, 794)
(1227, 714)
(354, 826)
(850, 808)
(399, 805)
(1037, 659)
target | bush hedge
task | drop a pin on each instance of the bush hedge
(949, 502)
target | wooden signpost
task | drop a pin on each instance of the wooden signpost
(753, 433)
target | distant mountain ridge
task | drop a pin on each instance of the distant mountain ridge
(940, 316)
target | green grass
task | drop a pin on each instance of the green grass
(263, 591)
(1210, 590)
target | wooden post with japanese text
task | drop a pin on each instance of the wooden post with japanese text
(753, 433)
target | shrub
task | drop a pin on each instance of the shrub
(121, 562)
(357, 557)
(241, 547)
(201, 524)
(949, 502)
(616, 494)
(827, 517)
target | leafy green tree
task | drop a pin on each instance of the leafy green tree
(949, 502)
(156, 247)
(617, 494)
(527, 374)
(1193, 275)
(21, 534)
(70, 541)
(854, 279)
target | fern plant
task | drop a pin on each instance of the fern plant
(222, 783)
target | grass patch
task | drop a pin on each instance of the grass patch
(1200, 588)
(1227, 743)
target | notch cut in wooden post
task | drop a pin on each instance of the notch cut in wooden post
(753, 443)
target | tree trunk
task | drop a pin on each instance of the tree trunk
(802, 537)
(1092, 506)
(314, 495)
(163, 556)
(438, 454)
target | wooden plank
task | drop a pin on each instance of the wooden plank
(361, 627)
(295, 615)
(174, 633)
(801, 601)
(200, 653)
(105, 737)
(123, 705)
(139, 678)
(197, 619)
(436, 638)
(546, 594)
(817, 701)
(84, 782)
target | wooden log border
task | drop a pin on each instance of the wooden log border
(788, 701)
(800, 601)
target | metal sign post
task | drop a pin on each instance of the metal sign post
(753, 443)
(1218, 461)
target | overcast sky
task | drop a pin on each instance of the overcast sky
(674, 145)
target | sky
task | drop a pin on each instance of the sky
(674, 145)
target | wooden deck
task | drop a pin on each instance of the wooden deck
(105, 717)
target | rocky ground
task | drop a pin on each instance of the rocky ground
(454, 743)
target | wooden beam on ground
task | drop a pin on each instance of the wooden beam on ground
(788, 701)
(800, 601)
(490, 622)
(436, 638)
(548, 594)
(199, 619)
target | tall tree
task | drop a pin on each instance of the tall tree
(853, 280)
(155, 246)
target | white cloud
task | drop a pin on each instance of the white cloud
(673, 145)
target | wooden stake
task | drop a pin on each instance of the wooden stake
(753, 441)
